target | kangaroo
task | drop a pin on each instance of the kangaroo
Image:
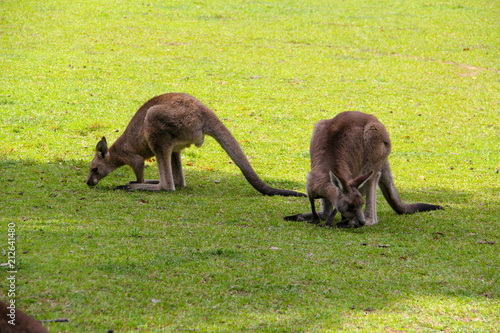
(349, 157)
(163, 127)
(16, 321)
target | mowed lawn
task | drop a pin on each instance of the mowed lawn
(217, 256)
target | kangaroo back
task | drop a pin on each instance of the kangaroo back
(216, 129)
(388, 188)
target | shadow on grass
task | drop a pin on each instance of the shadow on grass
(214, 249)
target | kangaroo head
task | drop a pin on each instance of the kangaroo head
(100, 166)
(350, 202)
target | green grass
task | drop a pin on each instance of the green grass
(217, 256)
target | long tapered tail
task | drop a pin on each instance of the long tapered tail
(223, 136)
(388, 188)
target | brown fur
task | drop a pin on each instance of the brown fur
(349, 157)
(23, 322)
(163, 127)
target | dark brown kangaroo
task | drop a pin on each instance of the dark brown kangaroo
(163, 127)
(16, 321)
(349, 157)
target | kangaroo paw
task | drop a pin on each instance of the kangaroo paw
(329, 220)
(314, 221)
(329, 223)
(343, 225)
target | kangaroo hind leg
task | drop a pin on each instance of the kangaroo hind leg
(371, 199)
(327, 212)
(177, 171)
(311, 217)
(298, 217)
(166, 183)
(315, 217)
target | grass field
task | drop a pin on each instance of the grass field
(216, 256)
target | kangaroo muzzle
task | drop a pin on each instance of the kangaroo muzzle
(92, 181)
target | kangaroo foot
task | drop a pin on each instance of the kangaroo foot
(125, 187)
(147, 181)
(296, 217)
(371, 221)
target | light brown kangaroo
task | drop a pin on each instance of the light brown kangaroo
(163, 127)
(349, 157)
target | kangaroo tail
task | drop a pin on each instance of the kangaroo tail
(223, 136)
(386, 184)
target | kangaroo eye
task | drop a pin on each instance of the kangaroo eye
(94, 170)
(351, 207)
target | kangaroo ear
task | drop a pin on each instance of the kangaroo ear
(338, 181)
(360, 180)
(102, 148)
